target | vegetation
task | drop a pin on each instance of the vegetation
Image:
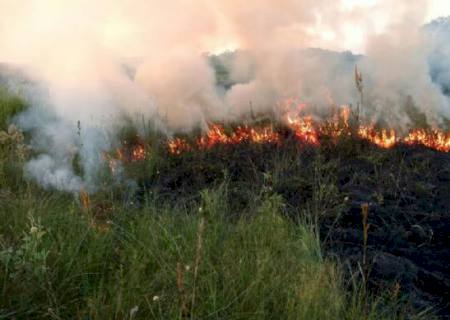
(10, 105)
(185, 246)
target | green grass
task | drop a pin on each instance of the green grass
(58, 262)
(165, 259)
(10, 105)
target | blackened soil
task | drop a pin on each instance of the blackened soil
(407, 189)
(409, 217)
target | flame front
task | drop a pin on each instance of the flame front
(307, 131)
(383, 139)
(216, 135)
(433, 139)
(304, 129)
(128, 154)
(177, 146)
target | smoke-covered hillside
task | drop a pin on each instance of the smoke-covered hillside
(227, 74)
(439, 50)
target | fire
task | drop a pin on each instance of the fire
(384, 139)
(433, 139)
(177, 146)
(304, 129)
(128, 154)
(255, 135)
(216, 135)
(137, 153)
(345, 115)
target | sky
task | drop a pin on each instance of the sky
(123, 27)
(351, 37)
(436, 9)
(439, 8)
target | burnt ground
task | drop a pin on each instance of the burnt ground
(407, 189)
(409, 216)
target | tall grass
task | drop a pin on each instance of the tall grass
(10, 105)
(56, 262)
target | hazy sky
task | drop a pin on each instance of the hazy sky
(122, 26)
(439, 8)
(352, 36)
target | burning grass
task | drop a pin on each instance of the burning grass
(304, 130)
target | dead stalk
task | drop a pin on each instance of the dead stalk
(360, 87)
(365, 268)
(198, 256)
(366, 226)
(85, 200)
(182, 290)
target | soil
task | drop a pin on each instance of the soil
(409, 217)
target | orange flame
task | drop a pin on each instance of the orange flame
(345, 115)
(178, 146)
(255, 135)
(433, 139)
(304, 129)
(384, 139)
(137, 153)
(216, 135)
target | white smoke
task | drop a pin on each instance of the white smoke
(98, 61)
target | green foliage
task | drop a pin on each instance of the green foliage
(13, 153)
(58, 261)
(13, 149)
(29, 259)
(10, 105)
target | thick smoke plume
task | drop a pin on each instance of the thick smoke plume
(92, 63)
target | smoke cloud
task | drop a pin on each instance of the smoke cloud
(94, 62)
